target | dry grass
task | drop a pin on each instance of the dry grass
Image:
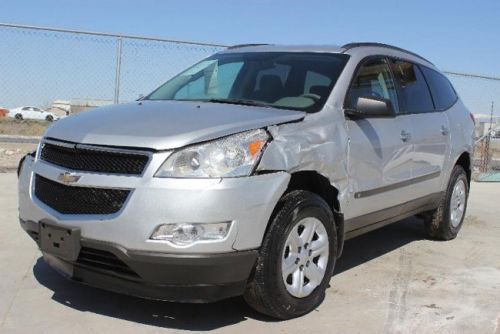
(9, 126)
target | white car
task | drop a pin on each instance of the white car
(32, 113)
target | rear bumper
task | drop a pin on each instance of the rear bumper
(171, 277)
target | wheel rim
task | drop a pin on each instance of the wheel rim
(305, 257)
(457, 203)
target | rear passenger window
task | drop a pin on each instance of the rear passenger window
(442, 91)
(415, 95)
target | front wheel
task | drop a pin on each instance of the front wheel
(445, 222)
(49, 118)
(297, 258)
(19, 117)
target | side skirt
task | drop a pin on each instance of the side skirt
(375, 220)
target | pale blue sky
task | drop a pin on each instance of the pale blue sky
(456, 35)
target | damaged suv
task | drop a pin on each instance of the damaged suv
(245, 174)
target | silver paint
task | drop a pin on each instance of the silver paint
(305, 257)
(355, 155)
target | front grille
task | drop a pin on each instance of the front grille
(99, 259)
(79, 200)
(75, 157)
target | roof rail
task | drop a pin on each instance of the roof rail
(381, 45)
(237, 46)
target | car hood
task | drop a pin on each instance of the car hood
(163, 125)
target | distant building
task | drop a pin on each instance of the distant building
(64, 107)
(483, 124)
(82, 104)
(60, 107)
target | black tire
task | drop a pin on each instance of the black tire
(266, 291)
(438, 224)
(49, 118)
(19, 117)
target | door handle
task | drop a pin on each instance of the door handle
(444, 130)
(405, 136)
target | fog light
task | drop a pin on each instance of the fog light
(186, 234)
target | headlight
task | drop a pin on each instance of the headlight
(231, 156)
(187, 234)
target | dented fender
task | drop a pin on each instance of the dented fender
(311, 145)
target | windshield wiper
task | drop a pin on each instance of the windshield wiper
(239, 101)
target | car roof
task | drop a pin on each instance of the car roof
(358, 48)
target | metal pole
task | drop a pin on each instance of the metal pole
(118, 69)
(486, 145)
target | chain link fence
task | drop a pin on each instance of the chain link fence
(74, 70)
(39, 66)
(482, 95)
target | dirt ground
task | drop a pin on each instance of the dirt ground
(391, 280)
(11, 153)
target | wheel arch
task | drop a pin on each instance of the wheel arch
(464, 160)
(320, 185)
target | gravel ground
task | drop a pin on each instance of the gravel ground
(388, 281)
(11, 153)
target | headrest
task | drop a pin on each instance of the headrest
(270, 81)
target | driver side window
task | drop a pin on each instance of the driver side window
(373, 80)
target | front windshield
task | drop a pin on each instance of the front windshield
(290, 80)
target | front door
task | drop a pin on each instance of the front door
(380, 150)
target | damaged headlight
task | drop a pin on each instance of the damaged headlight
(231, 156)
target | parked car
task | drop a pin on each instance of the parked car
(245, 174)
(32, 113)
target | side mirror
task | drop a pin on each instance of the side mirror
(372, 107)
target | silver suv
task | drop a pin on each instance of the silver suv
(245, 174)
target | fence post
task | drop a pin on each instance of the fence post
(118, 69)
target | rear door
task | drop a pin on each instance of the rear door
(27, 112)
(380, 150)
(430, 134)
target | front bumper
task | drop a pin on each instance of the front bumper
(152, 275)
(247, 202)
(201, 272)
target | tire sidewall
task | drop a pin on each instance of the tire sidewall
(458, 173)
(19, 117)
(310, 205)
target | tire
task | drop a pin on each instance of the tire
(268, 292)
(440, 224)
(49, 118)
(19, 117)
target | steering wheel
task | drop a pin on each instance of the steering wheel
(314, 97)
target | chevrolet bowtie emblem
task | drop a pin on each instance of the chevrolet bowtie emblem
(68, 178)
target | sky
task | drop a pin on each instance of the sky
(457, 35)
(462, 36)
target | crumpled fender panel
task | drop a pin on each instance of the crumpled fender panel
(317, 143)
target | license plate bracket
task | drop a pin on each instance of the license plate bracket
(61, 241)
